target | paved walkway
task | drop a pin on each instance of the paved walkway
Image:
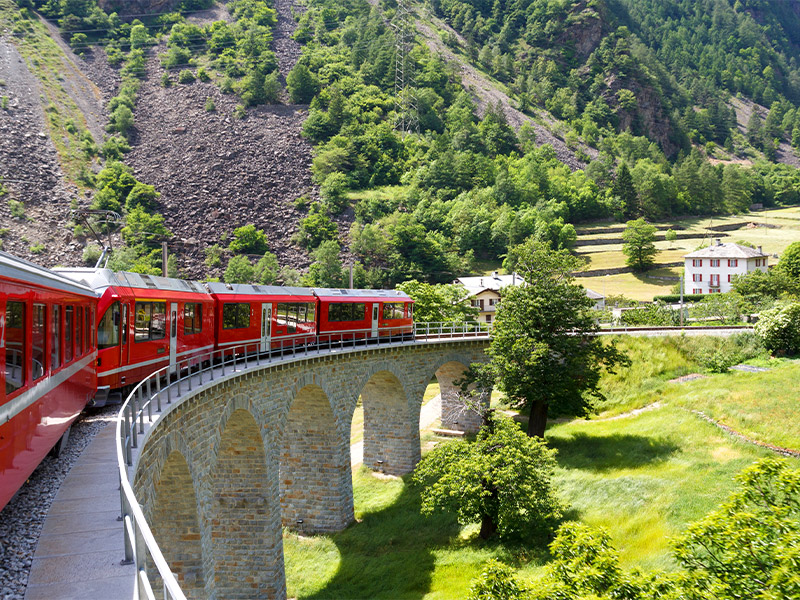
(81, 544)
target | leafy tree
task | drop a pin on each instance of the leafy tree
(439, 303)
(239, 270)
(790, 261)
(143, 230)
(334, 192)
(670, 236)
(496, 582)
(638, 244)
(121, 119)
(303, 86)
(326, 270)
(316, 228)
(544, 354)
(248, 240)
(142, 195)
(750, 546)
(779, 328)
(624, 192)
(502, 480)
(266, 271)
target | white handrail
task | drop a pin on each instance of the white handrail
(139, 539)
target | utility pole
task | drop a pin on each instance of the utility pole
(405, 103)
(682, 274)
(164, 258)
(351, 276)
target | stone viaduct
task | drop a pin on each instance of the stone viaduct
(226, 467)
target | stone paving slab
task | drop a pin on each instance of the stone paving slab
(81, 545)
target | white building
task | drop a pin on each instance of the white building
(711, 270)
(485, 293)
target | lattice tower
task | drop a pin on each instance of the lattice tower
(404, 78)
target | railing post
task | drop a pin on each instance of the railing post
(189, 376)
(149, 400)
(132, 415)
(158, 392)
(141, 410)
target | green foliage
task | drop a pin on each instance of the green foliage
(248, 240)
(142, 195)
(239, 270)
(544, 355)
(439, 303)
(302, 85)
(91, 254)
(213, 256)
(210, 106)
(496, 582)
(114, 147)
(316, 228)
(144, 231)
(17, 208)
(750, 546)
(502, 480)
(121, 119)
(790, 261)
(37, 248)
(334, 192)
(266, 271)
(779, 328)
(186, 76)
(326, 269)
(655, 314)
(638, 244)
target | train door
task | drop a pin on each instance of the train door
(173, 336)
(266, 326)
(374, 319)
(123, 341)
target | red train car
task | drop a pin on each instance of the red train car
(145, 323)
(363, 314)
(47, 356)
(264, 316)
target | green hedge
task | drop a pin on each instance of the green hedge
(670, 298)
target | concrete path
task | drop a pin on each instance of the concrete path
(81, 544)
(431, 411)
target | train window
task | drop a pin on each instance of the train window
(310, 315)
(393, 310)
(282, 314)
(78, 331)
(344, 311)
(38, 340)
(150, 322)
(87, 337)
(124, 324)
(55, 338)
(15, 346)
(192, 318)
(235, 315)
(108, 330)
(291, 318)
(69, 318)
(409, 309)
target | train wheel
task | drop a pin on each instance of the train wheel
(56, 450)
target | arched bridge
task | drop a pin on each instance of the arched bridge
(258, 443)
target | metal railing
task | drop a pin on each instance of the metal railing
(169, 383)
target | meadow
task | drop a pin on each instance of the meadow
(643, 475)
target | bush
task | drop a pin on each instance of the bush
(239, 270)
(91, 254)
(203, 75)
(779, 328)
(672, 298)
(121, 119)
(316, 228)
(186, 76)
(496, 582)
(210, 106)
(142, 195)
(249, 240)
(213, 256)
(718, 361)
(114, 147)
(334, 192)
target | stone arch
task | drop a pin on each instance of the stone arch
(175, 524)
(391, 428)
(316, 489)
(455, 415)
(245, 519)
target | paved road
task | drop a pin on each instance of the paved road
(427, 417)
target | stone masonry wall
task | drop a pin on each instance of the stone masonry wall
(271, 446)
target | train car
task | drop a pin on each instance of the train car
(145, 322)
(357, 314)
(264, 317)
(47, 357)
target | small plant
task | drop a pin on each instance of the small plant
(186, 76)
(37, 248)
(203, 75)
(4, 232)
(210, 106)
(17, 209)
(165, 80)
(91, 254)
(226, 87)
(302, 202)
(239, 112)
(718, 361)
(4, 102)
(213, 256)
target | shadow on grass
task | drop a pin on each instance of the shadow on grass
(608, 452)
(389, 554)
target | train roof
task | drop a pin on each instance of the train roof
(345, 294)
(246, 289)
(101, 279)
(19, 269)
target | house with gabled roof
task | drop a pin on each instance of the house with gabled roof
(711, 270)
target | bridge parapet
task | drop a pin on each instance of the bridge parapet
(248, 446)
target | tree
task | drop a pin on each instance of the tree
(638, 244)
(248, 240)
(750, 546)
(266, 271)
(302, 85)
(502, 480)
(544, 354)
(239, 270)
(790, 261)
(625, 193)
(670, 236)
(439, 303)
(326, 270)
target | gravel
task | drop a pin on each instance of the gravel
(22, 519)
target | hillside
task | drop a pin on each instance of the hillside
(525, 113)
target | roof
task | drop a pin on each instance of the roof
(593, 295)
(730, 250)
(22, 270)
(493, 282)
(216, 287)
(345, 293)
(101, 279)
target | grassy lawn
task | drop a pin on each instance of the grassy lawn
(642, 476)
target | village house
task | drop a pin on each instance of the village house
(711, 270)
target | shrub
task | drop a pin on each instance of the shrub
(239, 112)
(166, 81)
(210, 106)
(248, 240)
(496, 582)
(121, 119)
(213, 256)
(37, 248)
(91, 254)
(114, 147)
(779, 328)
(203, 75)
(315, 228)
(239, 270)
(17, 209)
(142, 195)
(186, 76)
(334, 192)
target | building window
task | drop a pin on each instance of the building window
(488, 318)
(697, 291)
(714, 262)
(697, 262)
(733, 262)
(714, 280)
(697, 277)
(729, 278)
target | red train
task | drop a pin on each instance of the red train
(76, 334)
